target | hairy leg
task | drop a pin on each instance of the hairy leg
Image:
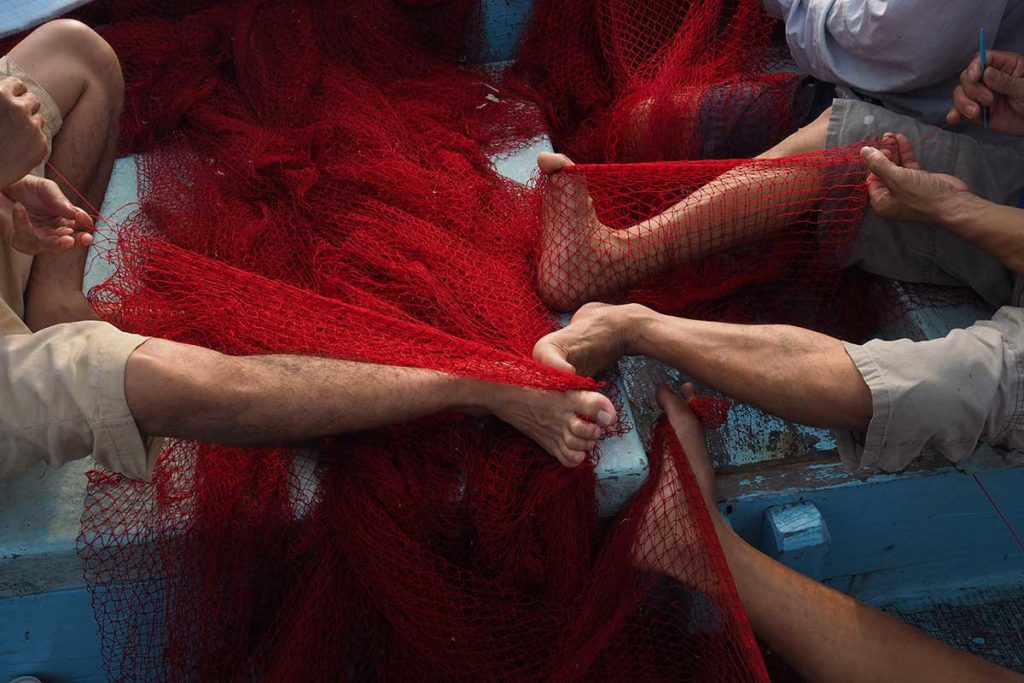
(582, 259)
(188, 392)
(82, 74)
(823, 634)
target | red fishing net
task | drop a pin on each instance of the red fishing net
(756, 241)
(316, 181)
(622, 80)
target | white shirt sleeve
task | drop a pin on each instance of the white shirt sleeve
(883, 46)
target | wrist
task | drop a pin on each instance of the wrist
(651, 334)
(732, 544)
(635, 328)
(959, 210)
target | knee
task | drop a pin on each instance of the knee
(80, 45)
(817, 131)
(810, 138)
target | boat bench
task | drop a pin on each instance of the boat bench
(906, 542)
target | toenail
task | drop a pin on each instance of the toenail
(604, 418)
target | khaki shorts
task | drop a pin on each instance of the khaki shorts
(15, 266)
(921, 253)
(62, 389)
(944, 396)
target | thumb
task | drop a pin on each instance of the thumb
(879, 164)
(548, 353)
(83, 220)
(56, 200)
(677, 409)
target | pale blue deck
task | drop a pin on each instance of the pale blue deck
(18, 15)
(907, 542)
(40, 574)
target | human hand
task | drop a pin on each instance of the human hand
(36, 218)
(691, 437)
(669, 509)
(596, 337)
(23, 144)
(1002, 92)
(899, 189)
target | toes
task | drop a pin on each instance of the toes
(570, 457)
(584, 430)
(575, 443)
(549, 163)
(597, 408)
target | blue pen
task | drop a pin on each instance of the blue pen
(984, 63)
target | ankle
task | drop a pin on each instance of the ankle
(732, 543)
(45, 311)
(636, 326)
(473, 396)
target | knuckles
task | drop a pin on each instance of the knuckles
(30, 102)
(12, 85)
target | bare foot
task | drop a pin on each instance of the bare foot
(595, 338)
(578, 253)
(555, 419)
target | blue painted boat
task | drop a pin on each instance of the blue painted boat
(926, 545)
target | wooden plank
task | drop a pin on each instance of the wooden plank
(896, 521)
(51, 636)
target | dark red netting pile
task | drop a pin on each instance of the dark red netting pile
(651, 81)
(316, 180)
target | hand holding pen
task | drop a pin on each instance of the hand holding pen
(999, 87)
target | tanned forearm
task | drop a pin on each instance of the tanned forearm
(185, 391)
(828, 636)
(787, 371)
(997, 229)
(188, 392)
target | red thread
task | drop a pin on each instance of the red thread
(317, 181)
(712, 411)
(999, 512)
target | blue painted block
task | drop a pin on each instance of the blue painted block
(796, 535)
(928, 322)
(896, 521)
(51, 636)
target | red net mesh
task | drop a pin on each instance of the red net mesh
(759, 240)
(622, 80)
(316, 181)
